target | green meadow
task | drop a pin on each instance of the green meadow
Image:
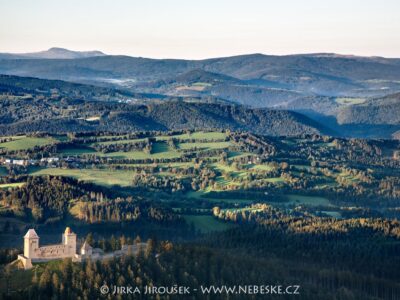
(205, 146)
(198, 135)
(23, 143)
(11, 185)
(105, 177)
(160, 151)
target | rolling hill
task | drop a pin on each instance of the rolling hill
(341, 91)
(38, 112)
(325, 74)
(59, 88)
(385, 110)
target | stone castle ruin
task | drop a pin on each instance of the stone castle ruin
(67, 249)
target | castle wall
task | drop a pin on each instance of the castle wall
(26, 262)
(54, 251)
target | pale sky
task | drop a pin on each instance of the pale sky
(202, 28)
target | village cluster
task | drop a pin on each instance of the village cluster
(49, 162)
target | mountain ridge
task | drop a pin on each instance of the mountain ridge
(327, 87)
(53, 53)
(330, 76)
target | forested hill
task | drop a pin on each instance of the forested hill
(22, 115)
(385, 110)
(16, 85)
(31, 104)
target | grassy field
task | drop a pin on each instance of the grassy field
(101, 177)
(22, 143)
(171, 165)
(307, 200)
(121, 142)
(160, 150)
(198, 135)
(205, 146)
(11, 185)
(262, 167)
(224, 168)
(182, 137)
(236, 154)
(206, 223)
(275, 179)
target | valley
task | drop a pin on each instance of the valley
(261, 166)
(199, 150)
(191, 172)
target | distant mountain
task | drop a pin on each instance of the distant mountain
(53, 53)
(341, 91)
(10, 56)
(329, 75)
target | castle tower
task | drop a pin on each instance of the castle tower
(69, 240)
(31, 244)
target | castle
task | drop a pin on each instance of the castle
(34, 253)
(67, 249)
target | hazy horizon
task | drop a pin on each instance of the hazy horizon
(203, 58)
(194, 30)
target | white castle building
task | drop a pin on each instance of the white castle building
(34, 253)
(67, 249)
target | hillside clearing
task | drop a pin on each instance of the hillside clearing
(105, 177)
(23, 143)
